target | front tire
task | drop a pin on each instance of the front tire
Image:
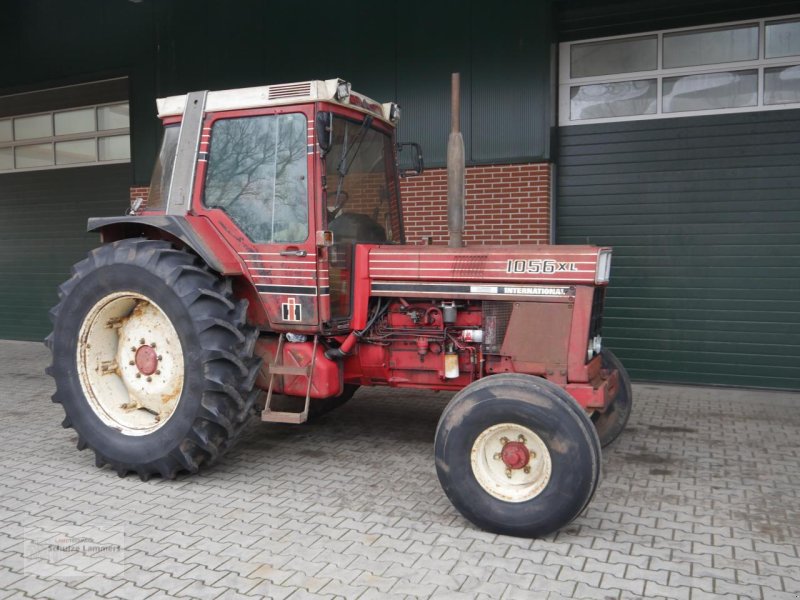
(517, 455)
(612, 422)
(152, 359)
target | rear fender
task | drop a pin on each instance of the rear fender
(195, 233)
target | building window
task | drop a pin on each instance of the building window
(734, 67)
(78, 137)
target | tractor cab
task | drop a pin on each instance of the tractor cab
(292, 176)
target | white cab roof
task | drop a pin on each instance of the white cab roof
(277, 95)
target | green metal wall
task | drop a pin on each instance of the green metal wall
(43, 232)
(403, 51)
(704, 217)
(582, 19)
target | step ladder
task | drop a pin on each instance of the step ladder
(277, 368)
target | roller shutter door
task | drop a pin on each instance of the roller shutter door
(43, 232)
(704, 217)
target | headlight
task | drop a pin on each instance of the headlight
(603, 266)
(595, 347)
(342, 90)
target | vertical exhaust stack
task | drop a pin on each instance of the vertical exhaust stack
(455, 167)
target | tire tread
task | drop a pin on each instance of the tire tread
(227, 345)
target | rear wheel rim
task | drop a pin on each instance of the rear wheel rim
(130, 363)
(511, 462)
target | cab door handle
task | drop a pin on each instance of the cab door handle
(295, 252)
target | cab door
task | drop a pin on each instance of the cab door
(256, 190)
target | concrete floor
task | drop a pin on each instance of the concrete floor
(700, 499)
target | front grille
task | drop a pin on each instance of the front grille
(495, 323)
(596, 324)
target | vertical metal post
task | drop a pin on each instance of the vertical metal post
(179, 196)
(455, 167)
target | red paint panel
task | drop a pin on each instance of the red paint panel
(589, 396)
(288, 285)
(327, 379)
(514, 264)
(577, 369)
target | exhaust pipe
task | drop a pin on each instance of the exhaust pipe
(455, 167)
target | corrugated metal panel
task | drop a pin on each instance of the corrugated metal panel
(43, 232)
(704, 217)
(581, 19)
(429, 49)
(391, 51)
(511, 70)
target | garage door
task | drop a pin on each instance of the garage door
(43, 232)
(704, 217)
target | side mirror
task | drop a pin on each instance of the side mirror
(417, 162)
(324, 130)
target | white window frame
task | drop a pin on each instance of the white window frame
(95, 135)
(759, 64)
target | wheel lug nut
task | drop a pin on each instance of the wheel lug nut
(149, 379)
(508, 473)
(159, 357)
(521, 438)
(138, 375)
(504, 440)
(153, 345)
(497, 456)
(527, 469)
(141, 341)
(133, 348)
(158, 372)
(131, 362)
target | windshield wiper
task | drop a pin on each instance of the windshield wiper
(343, 166)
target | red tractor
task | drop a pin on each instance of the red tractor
(268, 273)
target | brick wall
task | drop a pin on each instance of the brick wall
(140, 192)
(506, 204)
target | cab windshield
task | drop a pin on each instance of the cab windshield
(362, 201)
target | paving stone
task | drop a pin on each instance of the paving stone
(169, 584)
(62, 591)
(128, 591)
(297, 511)
(31, 586)
(679, 593)
(587, 577)
(635, 586)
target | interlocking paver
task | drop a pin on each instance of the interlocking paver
(698, 501)
(167, 583)
(129, 591)
(62, 591)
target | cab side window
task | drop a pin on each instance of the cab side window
(257, 173)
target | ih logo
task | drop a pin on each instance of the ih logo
(292, 311)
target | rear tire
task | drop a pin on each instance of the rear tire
(611, 423)
(177, 398)
(564, 455)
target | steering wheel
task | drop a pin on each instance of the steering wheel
(334, 211)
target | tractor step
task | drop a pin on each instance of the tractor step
(288, 370)
(277, 368)
(274, 416)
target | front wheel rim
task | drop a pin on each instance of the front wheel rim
(130, 363)
(511, 462)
